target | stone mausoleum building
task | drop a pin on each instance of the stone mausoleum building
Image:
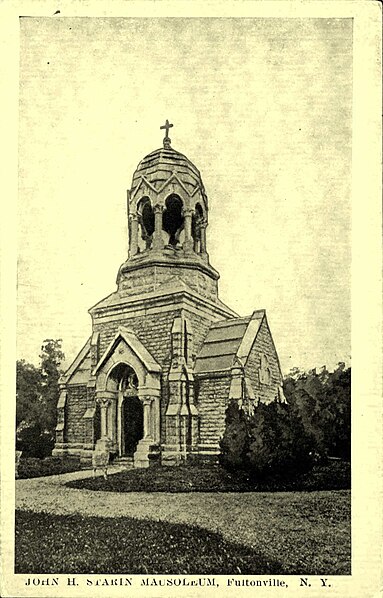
(165, 356)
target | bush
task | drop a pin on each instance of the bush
(30, 467)
(34, 441)
(278, 444)
(323, 401)
(270, 442)
(235, 442)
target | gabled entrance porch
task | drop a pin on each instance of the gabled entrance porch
(128, 393)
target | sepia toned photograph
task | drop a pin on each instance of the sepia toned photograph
(184, 301)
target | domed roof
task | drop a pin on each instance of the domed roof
(158, 166)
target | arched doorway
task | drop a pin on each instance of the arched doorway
(128, 387)
(126, 410)
(132, 424)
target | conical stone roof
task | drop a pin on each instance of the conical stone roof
(158, 166)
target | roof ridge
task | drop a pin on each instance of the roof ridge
(231, 322)
(208, 341)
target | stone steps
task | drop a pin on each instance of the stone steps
(126, 462)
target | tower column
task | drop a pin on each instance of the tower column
(203, 237)
(133, 241)
(157, 234)
(197, 242)
(188, 243)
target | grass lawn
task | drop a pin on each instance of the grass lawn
(76, 544)
(296, 533)
(335, 475)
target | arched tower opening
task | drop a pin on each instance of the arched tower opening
(145, 216)
(173, 219)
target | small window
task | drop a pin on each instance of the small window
(264, 370)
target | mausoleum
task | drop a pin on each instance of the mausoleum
(165, 355)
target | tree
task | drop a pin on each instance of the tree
(337, 402)
(36, 400)
(28, 390)
(323, 401)
(51, 358)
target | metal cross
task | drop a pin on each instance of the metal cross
(166, 126)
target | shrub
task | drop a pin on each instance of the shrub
(33, 440)
(30, 467)
(278, 443)
(270, 442)
(235, 441)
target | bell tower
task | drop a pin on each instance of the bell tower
(156, 321)
(168, 217)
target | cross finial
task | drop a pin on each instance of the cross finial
(167, 139)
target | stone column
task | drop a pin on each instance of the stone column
(203, 237)
(111, 422)
(104, 405)
(133, 241)
(188, 243)
(147, 452)
(119, 423)
(105, 400)
(157, 235)
(156, 415)
(147, 402)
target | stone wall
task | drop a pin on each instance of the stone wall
(263, 346)
(212, 401)
(75, 408)
(153, 330)
(151, 277)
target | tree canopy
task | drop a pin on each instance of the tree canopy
(323, 401)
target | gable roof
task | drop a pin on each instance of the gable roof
(228, 341)
(79, 370)
(135, 345)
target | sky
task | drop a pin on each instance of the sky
(263, 107)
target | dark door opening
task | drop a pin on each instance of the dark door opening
(132, 417)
